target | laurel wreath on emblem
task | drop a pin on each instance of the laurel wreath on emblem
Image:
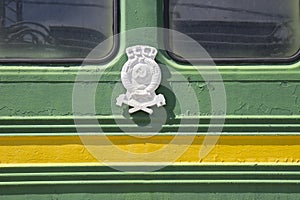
(141, 76)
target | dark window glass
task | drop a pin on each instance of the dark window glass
(54, 29)
(237, 28)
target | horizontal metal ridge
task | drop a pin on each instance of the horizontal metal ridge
(117, 125)
(134, 182)
(103, 179)
(225, 176)
(135, 173)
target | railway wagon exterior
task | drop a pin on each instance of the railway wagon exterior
(139, 99)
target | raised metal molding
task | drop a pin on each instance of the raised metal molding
(243, 180)
(234, 125)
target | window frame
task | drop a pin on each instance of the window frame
(230, 60)
(106, 58)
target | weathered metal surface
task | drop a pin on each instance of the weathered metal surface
(229, 149)
(188, 182)
(36, 126)
(249, 98)
(40, 96)
(251, 90)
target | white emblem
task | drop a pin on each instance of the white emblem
(141, 76)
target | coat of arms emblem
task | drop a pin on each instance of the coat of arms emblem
(141, 76)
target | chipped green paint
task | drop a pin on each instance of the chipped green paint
(249, 98)
(260, 99)
(251, 90)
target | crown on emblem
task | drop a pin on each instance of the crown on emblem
(141, 51)
(140, 93)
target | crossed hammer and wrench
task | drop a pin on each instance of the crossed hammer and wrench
(158, 100)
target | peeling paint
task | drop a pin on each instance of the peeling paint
(280, 111)
(241, 109)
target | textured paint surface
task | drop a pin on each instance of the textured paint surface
(239, 149)
(42, 90)
(37, 129)
(44, 99)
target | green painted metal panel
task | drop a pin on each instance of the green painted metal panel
(260, 99)
(243, 98)
(185, 182)
(251, 90)
(64, 125)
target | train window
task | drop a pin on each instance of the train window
(54, 29)
(236, 30)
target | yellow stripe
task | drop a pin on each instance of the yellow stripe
(70, 149)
